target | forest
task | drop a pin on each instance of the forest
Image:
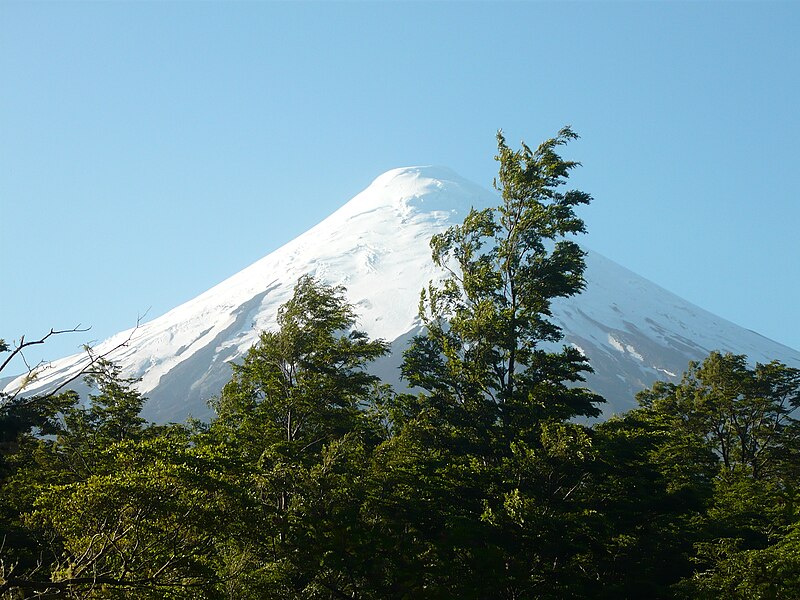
(491, 478)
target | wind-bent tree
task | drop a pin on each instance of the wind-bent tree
(491, 432)
(488, 325)
(304, 383)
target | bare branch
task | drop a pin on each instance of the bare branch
(86, 369)
(22, 344)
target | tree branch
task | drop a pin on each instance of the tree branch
(84, 370)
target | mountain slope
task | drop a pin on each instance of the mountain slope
(377, 246)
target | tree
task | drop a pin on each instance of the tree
(22, 415)
(744, 414)
(742, 417)
(105, 503)
(489, 323)
(296, 416)
(491, 432)
(648, 490)
(304, 383)
(148, 522)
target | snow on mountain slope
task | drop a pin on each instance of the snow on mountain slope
(376, 245)
(635, 332)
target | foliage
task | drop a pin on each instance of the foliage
(297, 416)
(105, 504)
(304, 383)
(741, 419)
(743, 414)
(489, 321)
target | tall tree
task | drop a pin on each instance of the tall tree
(491, 432)
(489, 324)
(296, 417)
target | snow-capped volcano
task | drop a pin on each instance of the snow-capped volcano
(376, 245)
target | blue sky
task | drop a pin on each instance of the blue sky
(150, 150)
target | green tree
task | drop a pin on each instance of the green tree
(304, 383)
(742, 417)
(649, 489)
(489, 323)
(296, 416)
(147, 523)
(744, 414)
(27, 464)
(106, 505)
(491, 432)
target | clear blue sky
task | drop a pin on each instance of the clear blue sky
(150, 150)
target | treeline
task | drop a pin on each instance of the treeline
(314, 480)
